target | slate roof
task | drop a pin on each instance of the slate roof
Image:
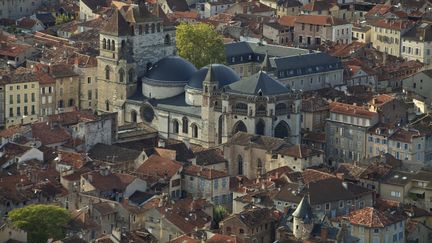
(177, 5)
(303, 210)
(139, 197)
(171, 69)
(259, 82)
(244, 48)
(224, 75)
(257, 216)
(421, 33)
(112, 153)
(334, 189)
(95, 4)
(116, 25)
(140, 14)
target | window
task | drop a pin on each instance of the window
(10, 112)
(401, 235)
(175, 126)
(216, 184)
(107, 73)
(33, 111)
(395, 194)
(376, 231)
(25, 98)
(121, 75)
(341, 204)
(18, 98)
(11, 99)
(33, 97)
(89, 80)
(327, 206)
(185, 125)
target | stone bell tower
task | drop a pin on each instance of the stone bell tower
(210, 87)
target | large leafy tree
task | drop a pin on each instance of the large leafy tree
(219, 213)
(200, 44)
(41, 221)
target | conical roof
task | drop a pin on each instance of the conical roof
(210, 77)
(265, 65)
(303, 210)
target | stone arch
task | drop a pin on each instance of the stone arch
(176, 126)
(71, 102)
(239, 165)
(113, 45)
(260, 127)
(185, 125)
(220, 128)
(194, 130)
(121, 75)
(239, 127)
(104, 43)
(167, 39)
(282, 130)
(131, 74)
(107, 72)
(134, 116)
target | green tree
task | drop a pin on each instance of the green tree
(200, 44)
(62, 18)
(41, 221)
(219, 213)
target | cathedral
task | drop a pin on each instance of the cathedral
(141, 78)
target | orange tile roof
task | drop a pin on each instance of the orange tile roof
(319, 20)
(380, 100)
(373, 218)
(13, 50)
(159, 166)
(287, 20)
(351, 110)
(48, 134)
(393, 24)
(204, 172)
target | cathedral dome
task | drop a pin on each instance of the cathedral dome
(171, 69)
(223, 74)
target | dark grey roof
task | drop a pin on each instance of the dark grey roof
(95, 4)
(177, 104)
(259, 82)
(46, 18)
(221, 73)
(178, 5)
(421, 33)
(172, 68)
(139, 197)
(303, 210)
(334, 189)
(248, 48)
(112, 153)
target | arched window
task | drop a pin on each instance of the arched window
(146, 29)
(281, 108)
(220, 128)
(121, 75)
(158, 27)
(71, 102)
(108, 45)
(281, 130)
(259, 167)
(131, 75)
(107, 72)
(107, 105)
(260, 127)
(239, 127)
(104, 44)
(239, 165)
(194, 131)
(175, 126)
(241, 106)
(113, 45)
(185, 125)
(123, 45)
(134, 116)
(61, 104)
(152, 27)
(241, 231)
(167, 39)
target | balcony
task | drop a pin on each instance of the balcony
(238, 111)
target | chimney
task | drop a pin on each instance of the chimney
(126, 200)
(324, 234)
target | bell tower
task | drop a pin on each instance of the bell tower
(116, 66)
(210, 86)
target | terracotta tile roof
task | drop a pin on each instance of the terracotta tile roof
(317, 5)
(405, 135)
(26, 23)
(379, 10)
(177, 15)
(14, 130)
(351, 110)
(380, 100)
(314, 103)
(12, 49)
(393, 24)
(373, 218)
(72, 117)
(255, 217)
(49, 134)
(104, 208)
(320, 20)
(76, 160)
(299, 151)
(109, 182)
(310, 175)
(159, 167)
(44, 78)
(210, 156)
(112, 153)
(204, 172)
(11, 150)
(166, 153)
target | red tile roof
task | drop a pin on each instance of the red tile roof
(393, 24)
(204, 172)
(380, 100)
(112, 181)
(13, 50)
(379, 10)
(351, 110)
(320, 20)
(159, 167)
(373, 218)
(287, 20)
(26, 23)
(48, 134)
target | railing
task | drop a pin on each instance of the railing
(281, 112)
(260, 113)
(240, 111)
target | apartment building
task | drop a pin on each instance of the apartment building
(386, 35)
(66, 87)
(21, 91)
(47, 104)
(361, 34)
(15, 9)
(417, 43)
(313, 30)
(346, 131)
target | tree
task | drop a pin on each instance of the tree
(41, 221)
(200, 44)
(219, 213)
(62, 18)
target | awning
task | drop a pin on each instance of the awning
(417, 191)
